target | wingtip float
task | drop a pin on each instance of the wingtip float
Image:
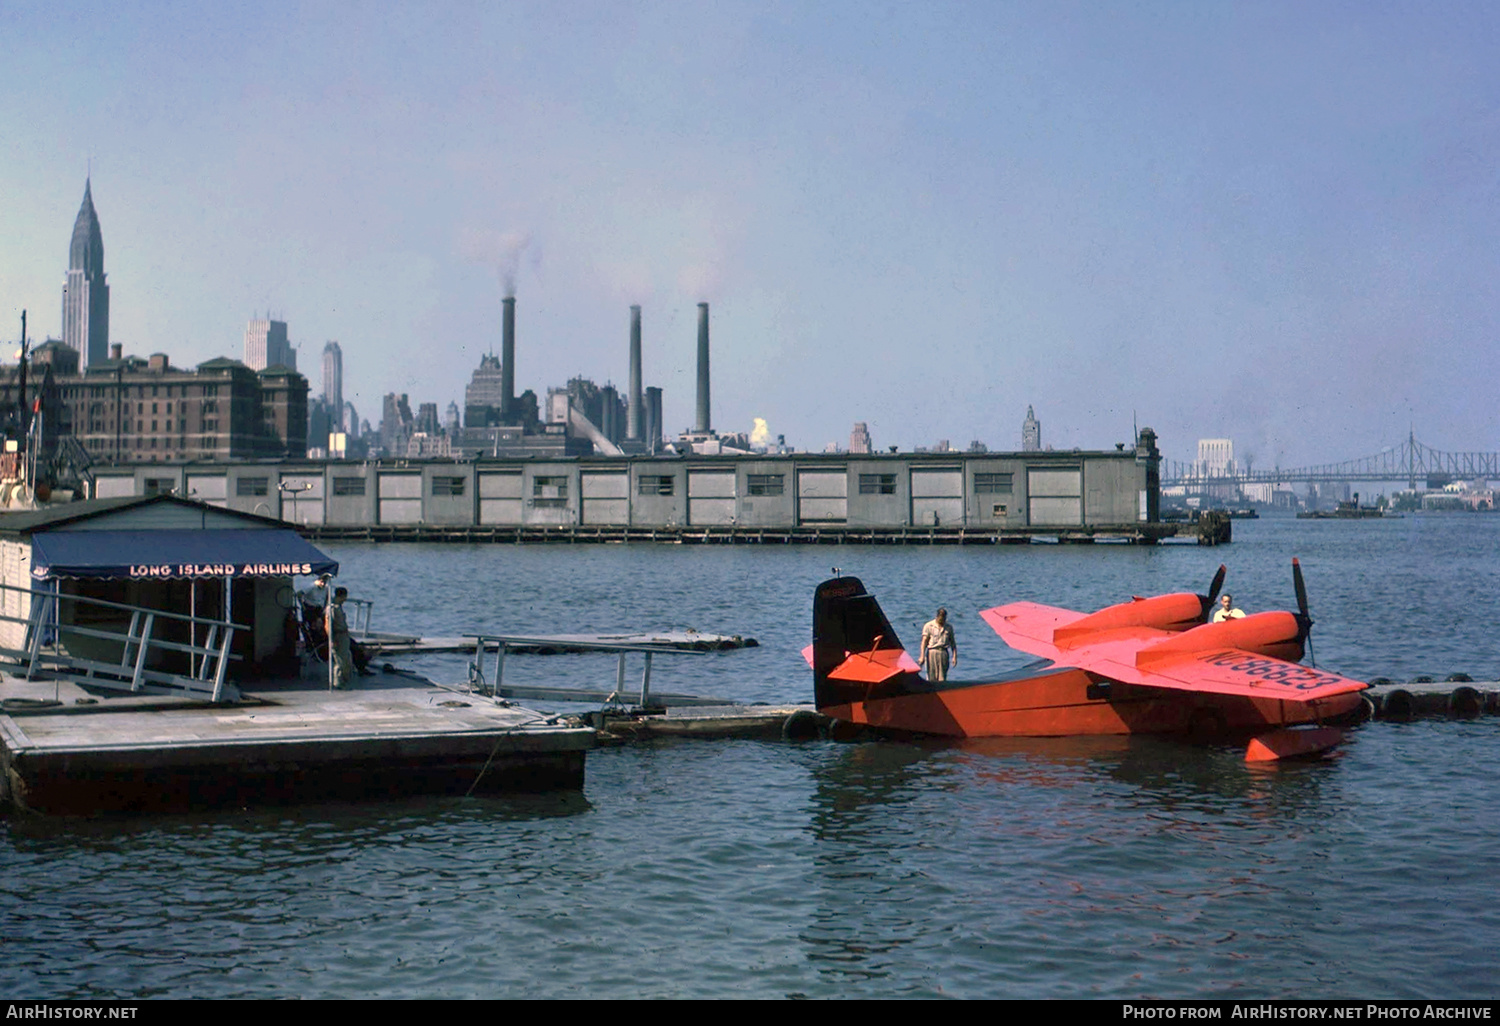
(1148, 666)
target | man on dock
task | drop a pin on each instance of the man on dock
(337, 625)
(937, 642)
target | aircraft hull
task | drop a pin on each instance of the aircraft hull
(1066, 701)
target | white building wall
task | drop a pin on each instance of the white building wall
(15, 572)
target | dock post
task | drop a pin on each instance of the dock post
(620, 674)
(499, 665)
(645, 679)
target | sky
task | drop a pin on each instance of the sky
(1272, 222)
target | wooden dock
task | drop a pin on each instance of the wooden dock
(68, 751)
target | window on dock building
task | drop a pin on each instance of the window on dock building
(252, 486)
(992, 484)
(877, 484)
(549, 491)
(447, 486)
(654, 484)
(348, 486)
(764, 484)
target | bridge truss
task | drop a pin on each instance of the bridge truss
(1411, 461)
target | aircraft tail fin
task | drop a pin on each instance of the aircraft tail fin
(855, 651)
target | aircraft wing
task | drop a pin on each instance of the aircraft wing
(1223, 671)
(870, 667)
(1029, 626)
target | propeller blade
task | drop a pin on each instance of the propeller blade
(1301, 587)
(1302, 615)
(1213, 589)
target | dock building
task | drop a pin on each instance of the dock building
(1055, 491)
(100, 559)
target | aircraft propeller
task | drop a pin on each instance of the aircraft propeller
(1304, 621)
(1213, 593)
(1214, 588)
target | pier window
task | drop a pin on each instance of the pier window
(248, 486)
(764, 484)
(549, 491)
(877, 484)
(447, 486)
(992, 484)
(655, 484)
(348, 486)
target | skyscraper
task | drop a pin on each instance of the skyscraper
(266, 345)
(859, 438)
(1031, 433)
(333, 381)
(85, 296)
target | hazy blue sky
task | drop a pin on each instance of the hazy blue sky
(1276, 222)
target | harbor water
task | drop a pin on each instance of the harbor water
(993, 868)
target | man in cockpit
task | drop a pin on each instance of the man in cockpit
(1227, 611)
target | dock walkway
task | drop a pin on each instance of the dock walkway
(379, 643)
(67, 751)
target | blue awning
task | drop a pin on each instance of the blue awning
(145, 555)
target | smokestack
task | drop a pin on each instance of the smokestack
(653, 419)
(702, 426)
(508, 359)
(634, 421)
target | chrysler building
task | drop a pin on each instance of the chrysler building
(85, 296)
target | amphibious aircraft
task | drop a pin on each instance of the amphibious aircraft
(1147, 666)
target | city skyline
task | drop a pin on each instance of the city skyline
(1273, 223)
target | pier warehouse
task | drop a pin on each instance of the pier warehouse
(190, 562)
(1077, 491)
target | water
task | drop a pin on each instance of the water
(1114, 868)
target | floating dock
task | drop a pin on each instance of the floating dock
(68, 751)
(555, 644)
(1459, 698)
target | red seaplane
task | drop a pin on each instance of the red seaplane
(1147, 666)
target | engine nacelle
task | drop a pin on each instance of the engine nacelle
(1279, 635)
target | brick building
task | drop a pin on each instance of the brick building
(130, 410)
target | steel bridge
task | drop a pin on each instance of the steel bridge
(1411, 461)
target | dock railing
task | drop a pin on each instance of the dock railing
(359, 623)
(502, 643)
(143, 647)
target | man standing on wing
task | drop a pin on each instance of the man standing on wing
(937, 642)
